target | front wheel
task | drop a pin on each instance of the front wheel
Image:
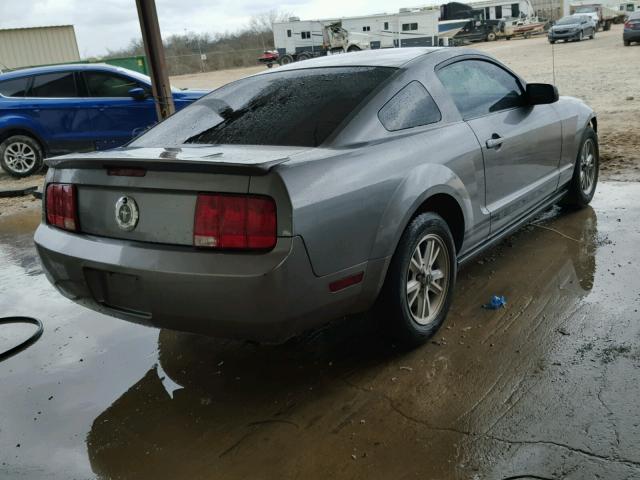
(21, 156)
(419, 286)
(585, 173)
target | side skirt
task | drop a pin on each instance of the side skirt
(498, 236)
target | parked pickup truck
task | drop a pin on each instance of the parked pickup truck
(603, 15)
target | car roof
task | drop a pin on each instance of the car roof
(387, 57)
(23, 72)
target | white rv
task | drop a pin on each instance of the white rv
(299, 39)
(498, 10)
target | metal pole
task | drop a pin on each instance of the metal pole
(154, 51)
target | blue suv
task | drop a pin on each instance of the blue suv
(47, 111)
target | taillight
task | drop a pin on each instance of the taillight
(62, 207)
(627, 24)
(235, 222)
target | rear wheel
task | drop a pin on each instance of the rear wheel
(491, 36)
(286, 59)
(585, 173)
(627, 43)
(21, 156)
(353, 48)
(419, 286)
(304, 56)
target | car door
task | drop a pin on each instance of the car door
(521, 144)
(117, 117)
(54, 102)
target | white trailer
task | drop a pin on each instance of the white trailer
(300, 39)
(506, 9)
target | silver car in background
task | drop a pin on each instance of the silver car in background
(316, 190)
(573, 28)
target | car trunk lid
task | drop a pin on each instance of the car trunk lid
(161, 184)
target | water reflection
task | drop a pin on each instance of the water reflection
(344, 400)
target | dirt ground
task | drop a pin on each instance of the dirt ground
(601, 72)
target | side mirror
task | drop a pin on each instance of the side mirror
(137, 93)
(541, 93)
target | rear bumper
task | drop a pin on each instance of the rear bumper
(631, 35)
(264, 297)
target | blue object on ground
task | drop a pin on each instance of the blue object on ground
(497, 301)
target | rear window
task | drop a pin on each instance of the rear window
(410, 107)
(54, 85)
(105, 84)
(297, 108)
(14, 88)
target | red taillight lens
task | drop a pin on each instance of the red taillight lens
(627, 24)
(235, 222)
(61, 205)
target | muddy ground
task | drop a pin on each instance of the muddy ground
(546, 388)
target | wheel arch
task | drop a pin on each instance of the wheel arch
(22, 130)
(433, 188)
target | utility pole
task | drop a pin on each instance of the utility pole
(154, 51)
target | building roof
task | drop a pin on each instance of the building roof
(35, 28)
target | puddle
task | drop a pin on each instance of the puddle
(495, 393)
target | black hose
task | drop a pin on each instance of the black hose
(18, 192)
(29, 341)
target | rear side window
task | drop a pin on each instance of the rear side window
(479, 88)
(296, 107)
(14, 88)
(410, 107)
(54, 85)
(104, 84)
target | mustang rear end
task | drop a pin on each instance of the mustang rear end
(203, 246)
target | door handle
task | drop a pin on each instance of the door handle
(495, 141)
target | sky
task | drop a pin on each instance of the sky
(111, 24)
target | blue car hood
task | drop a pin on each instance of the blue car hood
(190, 94)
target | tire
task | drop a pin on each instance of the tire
(304, 56)
(627, 43)
(404, 311)
(606, 27)
(552, 42)
(286, 59)
(527, 36)
(21, 156)
(353, 48)
(593, 34)
(585, 170)
(581, 37)
(491, 36)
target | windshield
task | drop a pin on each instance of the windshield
(296, 107)
(568, 21)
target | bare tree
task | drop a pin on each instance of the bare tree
(262, 24)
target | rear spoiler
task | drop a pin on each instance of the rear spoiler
(167, 165)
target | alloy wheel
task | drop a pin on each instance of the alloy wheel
(428, 278)
(20, 157)
(587, 167)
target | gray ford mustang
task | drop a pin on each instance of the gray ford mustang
(319, 189)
